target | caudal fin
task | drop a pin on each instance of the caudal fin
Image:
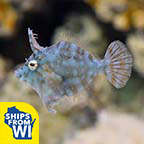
(119, 64)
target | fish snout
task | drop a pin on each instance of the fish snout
(17, 73)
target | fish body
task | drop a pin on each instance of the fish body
(76, 66)
(65, 68)
(69, 60)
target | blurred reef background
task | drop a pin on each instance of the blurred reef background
(106, 115)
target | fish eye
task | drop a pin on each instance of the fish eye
(33, 65)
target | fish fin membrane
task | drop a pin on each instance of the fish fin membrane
(119, 64)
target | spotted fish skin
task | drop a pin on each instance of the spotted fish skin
(65, 68)
(75, 65)
(69, 60)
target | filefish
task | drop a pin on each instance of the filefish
(65, 68)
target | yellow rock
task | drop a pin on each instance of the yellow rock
(138, 19)
(121, 22)
(8, 18)
(135, 42)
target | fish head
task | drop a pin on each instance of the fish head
(31, 70)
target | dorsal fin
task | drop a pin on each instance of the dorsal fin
(32, 39)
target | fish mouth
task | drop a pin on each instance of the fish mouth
(17, 74)
(17, 70)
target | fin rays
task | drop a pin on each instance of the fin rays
(118, 70)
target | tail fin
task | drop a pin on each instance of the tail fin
(118, 69)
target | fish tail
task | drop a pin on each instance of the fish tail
(118, 61)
